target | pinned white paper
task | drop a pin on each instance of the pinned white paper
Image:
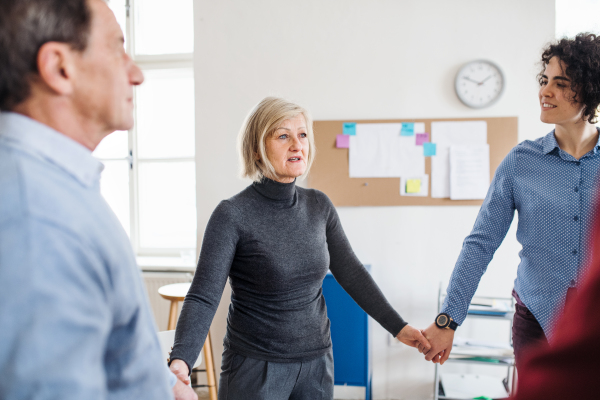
(469, 171)
(445, 134)
(378, 151)
(419, 127)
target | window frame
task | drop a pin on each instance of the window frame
(147, 62)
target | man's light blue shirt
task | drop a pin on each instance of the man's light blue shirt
(554, 194)
(75, 322)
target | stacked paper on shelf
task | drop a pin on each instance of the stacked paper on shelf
(468, 386)
(458, 341)
(490, 307)
(481, 348)
(488, 360)
(482, 301)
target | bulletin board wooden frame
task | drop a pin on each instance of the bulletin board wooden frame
(330, 175)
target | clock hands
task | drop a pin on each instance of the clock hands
(482, 82)
(470, 80)
(474, 81)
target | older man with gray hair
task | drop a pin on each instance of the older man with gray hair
(75, 322)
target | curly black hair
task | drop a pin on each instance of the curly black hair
(581, 56)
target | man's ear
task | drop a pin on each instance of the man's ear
(55, 63)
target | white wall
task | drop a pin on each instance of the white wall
(376, 59)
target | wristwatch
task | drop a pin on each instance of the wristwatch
(443, 321)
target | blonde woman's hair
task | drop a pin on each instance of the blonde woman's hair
(262, 122)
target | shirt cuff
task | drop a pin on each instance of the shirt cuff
(456, 316)
(393, 322)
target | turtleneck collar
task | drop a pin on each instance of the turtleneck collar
(277, 191)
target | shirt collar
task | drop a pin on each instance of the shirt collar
(597, 146)
(550, 143)
(43, 142)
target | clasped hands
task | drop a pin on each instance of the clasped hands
(181, 390)
(434, 342)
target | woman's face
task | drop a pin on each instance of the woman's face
(556, 96)
(287, 149)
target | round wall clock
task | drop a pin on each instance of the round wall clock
(479, 83)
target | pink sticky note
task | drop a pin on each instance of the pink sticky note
(342, 141)
(422, 138)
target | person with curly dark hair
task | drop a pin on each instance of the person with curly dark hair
(551, 182)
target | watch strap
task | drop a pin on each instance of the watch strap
(453, 325)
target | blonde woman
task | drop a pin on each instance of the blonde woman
(275, 242)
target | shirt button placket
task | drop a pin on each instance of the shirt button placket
(577, 210)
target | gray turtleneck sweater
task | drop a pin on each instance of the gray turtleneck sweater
(275, 242)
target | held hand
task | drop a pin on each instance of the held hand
(441, 343)
(181, 371)
(181, 391)
(414, 338)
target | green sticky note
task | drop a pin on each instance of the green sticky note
(349, 128)
(413, 185)
(429, 149)
(408, 129)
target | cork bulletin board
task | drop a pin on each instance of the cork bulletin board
(330, 175)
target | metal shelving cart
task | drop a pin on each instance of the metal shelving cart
(456, 356)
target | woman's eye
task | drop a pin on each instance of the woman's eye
(542, 83)
(284, 136)
(303, 135)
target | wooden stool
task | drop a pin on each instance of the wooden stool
(175, 293)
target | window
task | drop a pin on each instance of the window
(149, 177)
(575, 16)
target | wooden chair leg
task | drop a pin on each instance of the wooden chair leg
(210, 369)
(173, 315)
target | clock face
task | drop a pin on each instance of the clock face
(479, 84)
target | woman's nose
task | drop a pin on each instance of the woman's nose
(296, 145)
(545, 91)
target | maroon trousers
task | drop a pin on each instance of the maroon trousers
(527, 332)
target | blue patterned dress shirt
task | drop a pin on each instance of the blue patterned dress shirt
(554, 194)
(75, 322)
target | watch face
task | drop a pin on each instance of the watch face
(442, 320)
(479, 84)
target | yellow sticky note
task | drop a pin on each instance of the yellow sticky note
(413, 185)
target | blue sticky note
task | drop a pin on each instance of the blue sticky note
(349, 128)
(428, 149)
(408, 129)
